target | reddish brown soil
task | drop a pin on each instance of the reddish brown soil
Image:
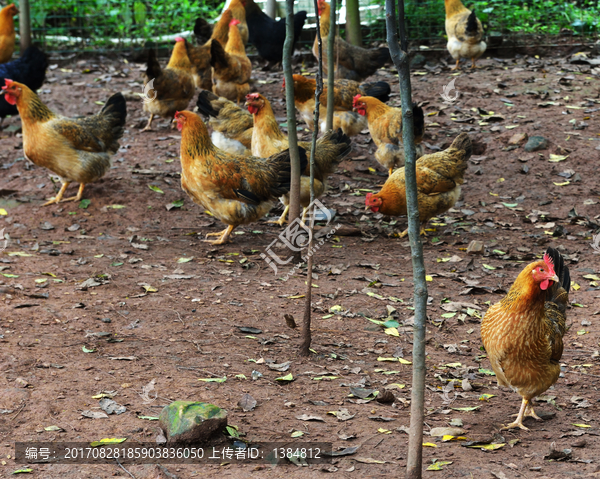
(189, 328)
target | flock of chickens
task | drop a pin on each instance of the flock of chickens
(238, 172)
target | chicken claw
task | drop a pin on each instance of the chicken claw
(405, 232)
(148, 127)
(59, 196)
(473, 63)
(224, 236)
(281, 221)
(525, 406)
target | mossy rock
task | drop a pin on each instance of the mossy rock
(191, 422)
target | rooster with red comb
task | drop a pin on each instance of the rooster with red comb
(523, 333)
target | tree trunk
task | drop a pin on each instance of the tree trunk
(271, 8)
(353, 33)
(288, 45)
(24, 25)
(399, 54)
(306, 332)
(330, 66)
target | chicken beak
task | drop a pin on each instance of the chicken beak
(555, 279)
(367, 208)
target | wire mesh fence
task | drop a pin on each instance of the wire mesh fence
(116, 25)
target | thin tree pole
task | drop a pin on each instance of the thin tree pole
(271, 8)
(330, 66)
(399, 54)
(306, 333)
(24, 25)
(288, 47)
(353, 33)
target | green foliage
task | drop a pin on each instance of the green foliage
(110, 22)
(114, 23)
(539, 17)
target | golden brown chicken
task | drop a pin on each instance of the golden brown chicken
(268, 139)
(465, 33)
(232, 126)
(439, 177)
(169, 89)
(349, 121)
(239, 13)
(76, 149)
(351, 62)
(385, 126)
(7, 32)
(236, 190)
(199, 55)
(523, 333)
(231, 66)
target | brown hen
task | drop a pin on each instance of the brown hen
(439, 177)
(523, 333)
(76, 149)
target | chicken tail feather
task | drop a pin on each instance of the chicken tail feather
(379, 89)
(463, 142)
(153, 70)
(202, 30)
(284, 170)
(563, 274)
(472, 29)
(218, 56)
(204, 103)
(115, 110)
(419, 123)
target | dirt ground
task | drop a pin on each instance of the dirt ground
(172, 311)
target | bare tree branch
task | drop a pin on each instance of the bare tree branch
(288, 47)
(306, 333)
(330, 66)
(399, 54)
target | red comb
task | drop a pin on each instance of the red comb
(549, 262)
(368, 197)
(7, 83)
(235, 21)
(252, 96)
(355, 99)
(179, 39)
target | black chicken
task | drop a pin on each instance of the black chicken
(29, 69)
(268, 35)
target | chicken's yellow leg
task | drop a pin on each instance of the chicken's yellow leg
(520, 416)
(281, 219)
(304, 213)
(391, 170)
(218, 233)
(456, 66)
(60, 194)
(405, 232)
(79, 194)
(473, 63)
(224, 236)
(149, 125)
(529, 412)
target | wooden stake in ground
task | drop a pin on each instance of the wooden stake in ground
(330, 63)
(288, 46)
(24, 25)
(306, 334)
(353, 33)
(399, 54)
